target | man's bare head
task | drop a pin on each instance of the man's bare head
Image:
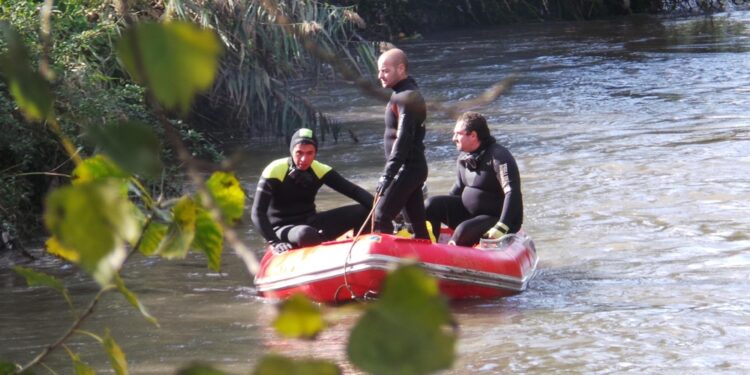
(392, 67)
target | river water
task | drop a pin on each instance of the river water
(632, 137)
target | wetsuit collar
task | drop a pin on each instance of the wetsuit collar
(407, 83)
(471, 160)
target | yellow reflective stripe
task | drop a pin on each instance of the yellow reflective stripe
(502, 226)
(276, 169)
(320, 169)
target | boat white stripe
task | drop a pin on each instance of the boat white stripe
(384, 262)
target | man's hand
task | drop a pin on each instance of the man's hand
(280, 247)
(383, 184)
(497, 231)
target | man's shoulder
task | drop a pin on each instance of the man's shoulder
(320, 169)
(276, 169)
(500, 150)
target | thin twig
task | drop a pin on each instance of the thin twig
(73, 328)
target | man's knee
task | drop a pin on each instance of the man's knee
(308, 236)
(431, 206)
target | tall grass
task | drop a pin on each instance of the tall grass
(252, 95)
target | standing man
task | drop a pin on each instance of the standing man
(284, 206)
(486, 197)
(400, 186)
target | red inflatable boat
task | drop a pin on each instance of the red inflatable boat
(340, 271)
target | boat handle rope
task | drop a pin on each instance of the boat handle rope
(349, 252)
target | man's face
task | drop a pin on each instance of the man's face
(466, 142)
(389, 72)
(303, 155)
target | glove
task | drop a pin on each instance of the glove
(280, 247)
(497, 231)
(383, 184)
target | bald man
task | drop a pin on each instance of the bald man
(400, 186)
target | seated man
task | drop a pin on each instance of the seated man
(284, 206)
(486, 197)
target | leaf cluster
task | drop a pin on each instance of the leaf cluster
(86, 89)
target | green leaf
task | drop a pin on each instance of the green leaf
(299, 318)
(178, 60)
(413, 297)
(96, 168)
(152, 237)
(81, 368)
(200, 369)
(133, 299)
(29, 89)
(405, 332)
(34, 278)
(181, 231)
(115, 354)
(209, 238)
(273, 364)
(8, 368)
(228, 195)
(132, 145)
(93, 220)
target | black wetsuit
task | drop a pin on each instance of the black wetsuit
(405, 161)
(487, 191)
(284, 205)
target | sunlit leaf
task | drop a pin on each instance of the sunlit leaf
(179, 59)
(181, 231)
(152, 237)
(132, 145)
(209, 238)
(406, 331)
(299, 318)
(228, 195)
(115, 354)
(93, 220)
(29, 89)
(200, 369)
(273, 364)
(54, 247)
(97, 168)
(133, 299)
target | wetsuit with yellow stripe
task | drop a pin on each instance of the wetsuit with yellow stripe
(487, 192)
(284, 206)
(406, 165)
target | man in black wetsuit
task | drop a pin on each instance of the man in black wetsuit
(486, 198)
(400, 186)
(284, 206)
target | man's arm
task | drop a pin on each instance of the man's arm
(338, 183)
(259, 213)
(458, 186)
(407, 128)
(509, 178)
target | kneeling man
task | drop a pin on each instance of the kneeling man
(284, 207)
(486, 198)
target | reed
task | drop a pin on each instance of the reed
(252, 95)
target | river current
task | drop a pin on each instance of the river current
(632, 137)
